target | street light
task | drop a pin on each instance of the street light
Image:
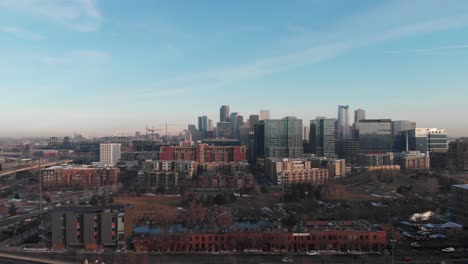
(393, 250)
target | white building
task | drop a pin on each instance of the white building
(109, 153)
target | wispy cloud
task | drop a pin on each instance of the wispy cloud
(21, 33)
(74, 57)
(79, 15)
(388, 22)
(430, 50)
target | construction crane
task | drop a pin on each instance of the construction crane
(174, 125)
(152, 130)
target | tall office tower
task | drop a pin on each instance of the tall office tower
(322, 136)
(259, 142)
(191, 128)
(283, 138)
(359, 114)
(253, 119)
(210, 125)
(224, 113)
(109, 153)
(305, 134)
(264, 114)
(239, 123)
(202, 123)
(400, 130)
(375, 135)
(343, 122)
(225, 130)
(428, 140)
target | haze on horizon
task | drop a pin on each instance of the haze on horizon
(115, 67)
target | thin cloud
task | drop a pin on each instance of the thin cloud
(430, 50)
(79, 15)
(21, 33)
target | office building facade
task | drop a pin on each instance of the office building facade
(322, 136)
(343, 124)
(283, 138)
(202, 123)
(375, 135)
(224, 113)
(109, 153)
(264, 114)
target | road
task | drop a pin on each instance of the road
(33, 167)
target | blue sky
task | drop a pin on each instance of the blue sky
(110, 67)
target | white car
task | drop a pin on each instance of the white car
(449, 249)
(312, 253)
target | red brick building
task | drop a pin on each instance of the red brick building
(340, 236)
(80, 177)
(205, 153)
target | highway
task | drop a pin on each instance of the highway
(10, 258)
(35, 166)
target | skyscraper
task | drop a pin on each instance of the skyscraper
(233, 120)
(202, 123)
(343, 124)
(264, 114)
(375, 135)
(283, 138)
(225, 130)
(224, 113)
(400, 130)
(359, 114)
(259, 141)
(322, 136)
(253, 119)
(305, 134)
(210, 125)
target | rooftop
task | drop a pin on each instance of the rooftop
(461, 186)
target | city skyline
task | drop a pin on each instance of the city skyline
(105, 68)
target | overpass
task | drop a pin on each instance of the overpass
(33, 166)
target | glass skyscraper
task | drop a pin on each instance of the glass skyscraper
(322, 136)
(375, 135)
(343, 124)
(283, 138)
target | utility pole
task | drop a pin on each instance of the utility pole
(393, 250)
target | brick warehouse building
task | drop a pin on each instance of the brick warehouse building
(205, 153)
(341, 236)
(81, 177)
(95, 227)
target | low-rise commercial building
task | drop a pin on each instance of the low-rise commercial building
(338, 236)
(205, 153)
(375, 159)
(412, 160)
(78, 177)
(95, 227)
(384, 168)
(336, 167)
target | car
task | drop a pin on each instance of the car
(415, 245)
(312, 253)
(448, 250)
(287, 260)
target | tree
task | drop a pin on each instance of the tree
(48, 200)
(12, 210)
(16, 196)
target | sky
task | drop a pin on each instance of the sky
(113, 67)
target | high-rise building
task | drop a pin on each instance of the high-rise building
(457, 156)
(253, 119)
(375, 135)
(202, 123)
(322, 136)
(233, 120)
(109, 153)
(305, 133)
(224, 113)
(459, 202)
(259, 142)
(428, 140)
(264, 114)
(225, 130)
(191, 128)
(283, 138)
(359, 114)
(343, 124)
(347, 149)
(210, 125)
(400, 135)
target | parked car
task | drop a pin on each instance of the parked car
(407, 259)
(448, 250)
